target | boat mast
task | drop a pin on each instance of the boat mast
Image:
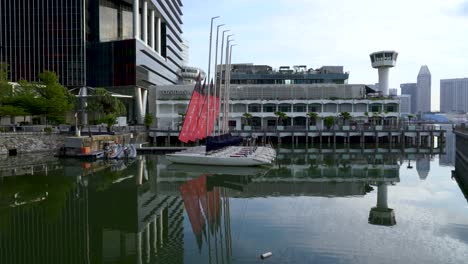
(228, 91)
(220, 125)
(216, 79)
(209, 68)
(227, 71)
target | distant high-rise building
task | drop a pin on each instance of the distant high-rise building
(454, 95)
(423, 90)
(185, 52)
(405, 104)
(410, 89)
(393, 92)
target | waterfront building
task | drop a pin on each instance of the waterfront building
(262, 101)
(423, 90)
(405, 104)
(410, 89)
(127, 47)
(248, 73)
(454, 95)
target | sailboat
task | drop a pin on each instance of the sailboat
(222, 149)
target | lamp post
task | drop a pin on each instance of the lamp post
(209, 68)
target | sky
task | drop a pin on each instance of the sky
(338, 32)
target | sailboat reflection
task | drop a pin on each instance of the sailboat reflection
(207, 206)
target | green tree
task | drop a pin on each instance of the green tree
(6, 95)
(345, 116)
(105, 108)
(329, 121)
(248, 118)
(312, 117)
(46, 98)
(149, 120)
(280, 117)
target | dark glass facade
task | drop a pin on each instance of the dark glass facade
(39, 35)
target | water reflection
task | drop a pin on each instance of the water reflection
(460, 174)
(152, 211)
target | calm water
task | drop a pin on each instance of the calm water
(334, 207)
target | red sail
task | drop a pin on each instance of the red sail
(193, 131)
(201, 126)
(191, 115)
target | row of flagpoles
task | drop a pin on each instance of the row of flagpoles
(206, 102)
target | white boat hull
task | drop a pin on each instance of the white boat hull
(228, 157)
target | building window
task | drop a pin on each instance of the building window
(254, 108)
(284, 108)
(299, 108)
(269, 108)
(375, 108)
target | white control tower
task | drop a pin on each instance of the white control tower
(384, 60)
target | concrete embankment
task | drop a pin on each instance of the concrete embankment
(30, 142)
(20, 143)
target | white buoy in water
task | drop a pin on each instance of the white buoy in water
(266, 255)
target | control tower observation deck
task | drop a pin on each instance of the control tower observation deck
(383, 61)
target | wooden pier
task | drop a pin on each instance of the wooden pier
(405, 135)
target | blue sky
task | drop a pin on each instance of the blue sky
(339, 32)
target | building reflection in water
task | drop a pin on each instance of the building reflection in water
(423, 166)
(132, 221)
(448, 158)
(44, 219)
(133, 212)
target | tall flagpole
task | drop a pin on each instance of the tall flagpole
(220, 125)
(209, 67)
(216, 76)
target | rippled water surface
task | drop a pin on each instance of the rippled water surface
(313, 206)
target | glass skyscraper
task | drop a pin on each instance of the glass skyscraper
(454, 95)
(126, 46)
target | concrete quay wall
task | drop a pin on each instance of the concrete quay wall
(30, 142)
(23, 143)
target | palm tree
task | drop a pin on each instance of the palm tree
(280, 117)
(248, 118)
(345, 116)
(329, 121)
(313, 117)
